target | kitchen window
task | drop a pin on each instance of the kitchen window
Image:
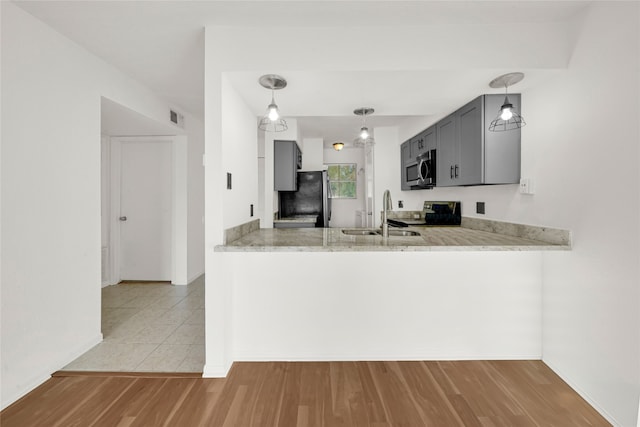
(342, 179)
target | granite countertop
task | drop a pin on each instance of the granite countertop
(430, 239)
(298, 218)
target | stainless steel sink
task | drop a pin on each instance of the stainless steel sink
(359, 232)
(369, 232)
(403, 233)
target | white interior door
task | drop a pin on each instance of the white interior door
(145, 211)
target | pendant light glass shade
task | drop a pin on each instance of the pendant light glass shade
(508, 118)
(338, 145)
(364, 132)
(273, 113)
(272, 121)
(364, 137)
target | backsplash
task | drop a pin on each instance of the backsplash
(542, 234)
(234, 233)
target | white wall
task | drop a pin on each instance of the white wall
(51, 196)
(195, 198)
(312, 154)
(343, 211)
(592, 294)
(217, 311)
(239, 157)
(387, 169)
(105, 204)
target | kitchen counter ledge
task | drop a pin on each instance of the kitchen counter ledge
(430, 239)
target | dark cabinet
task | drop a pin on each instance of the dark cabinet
(429, 138)
(405, 150)
(470, 137)
(405, 159)
(287, 159)
(417, 146)
(410, 150)
(468, 154)
(446, 151)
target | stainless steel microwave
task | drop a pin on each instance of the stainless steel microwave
(411, 174)
(421, 173)
(427, 169)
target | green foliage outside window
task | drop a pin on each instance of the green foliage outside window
(342, 178)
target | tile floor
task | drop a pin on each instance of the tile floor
(150, 327)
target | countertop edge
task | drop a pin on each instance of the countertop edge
(487, 248)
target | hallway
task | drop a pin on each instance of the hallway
(149, 327)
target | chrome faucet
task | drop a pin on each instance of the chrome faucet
(387, 205)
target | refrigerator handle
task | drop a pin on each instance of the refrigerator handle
(327, 198)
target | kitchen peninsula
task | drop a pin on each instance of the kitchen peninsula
(475, 234)
(449, 293)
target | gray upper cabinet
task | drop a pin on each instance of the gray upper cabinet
(287, 159)
(447, 151)
(429, 138)
(417, 146)
(405, 150)
(468, 169)
(405, 158)
(409, 151)
(468, 154)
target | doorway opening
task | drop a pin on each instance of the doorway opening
(152, 318)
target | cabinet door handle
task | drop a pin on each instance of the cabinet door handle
(456, 171)
(451, 172)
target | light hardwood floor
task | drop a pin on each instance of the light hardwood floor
(440, 394)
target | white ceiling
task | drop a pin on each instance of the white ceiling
(161, 43)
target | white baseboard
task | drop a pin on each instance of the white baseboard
(383, 358)
(215, 371)
(46, 371)
(585, 396)
(194, 277)
(188, 281)
(25, 388)
(176, 283)
(109, 283)
(78, 351)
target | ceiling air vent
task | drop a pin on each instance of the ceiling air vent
(176, 118)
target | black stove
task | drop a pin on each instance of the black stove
(442, 213)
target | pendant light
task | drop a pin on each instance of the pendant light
(508, 118)
(338, 145)
(272, 121)
(364, 138)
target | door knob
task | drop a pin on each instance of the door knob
(123, 218)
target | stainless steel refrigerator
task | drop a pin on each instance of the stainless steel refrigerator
(311, 198)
